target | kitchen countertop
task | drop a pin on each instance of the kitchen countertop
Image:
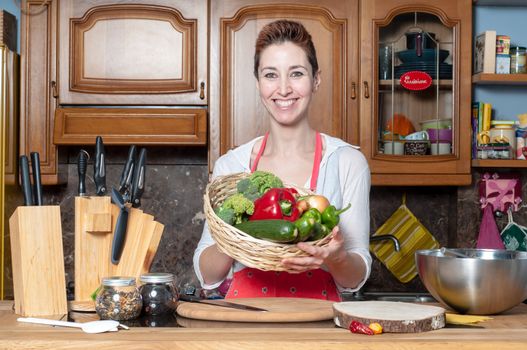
(505, 331)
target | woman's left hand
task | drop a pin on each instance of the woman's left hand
(331, 253)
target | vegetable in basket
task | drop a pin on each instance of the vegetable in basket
(235, 209)
(276, 203)
(273, 230)
(259, 182)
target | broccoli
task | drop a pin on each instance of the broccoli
(235, 209)
(257, 184)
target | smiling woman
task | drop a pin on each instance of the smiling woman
(287, 77)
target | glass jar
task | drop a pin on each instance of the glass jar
(518, 58)
(503, 131)
(159, 293)
(118, 299)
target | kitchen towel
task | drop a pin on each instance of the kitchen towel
(489, 236)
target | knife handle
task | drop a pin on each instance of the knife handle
(99, 167)
(25, 180)
(138, 185)
(37, 183)
(126, 176)
(82, 164)
(119, 236)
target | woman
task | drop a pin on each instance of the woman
(287, 76)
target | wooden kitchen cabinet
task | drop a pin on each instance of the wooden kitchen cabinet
(143, 63)
(236, 113)
(384, 23)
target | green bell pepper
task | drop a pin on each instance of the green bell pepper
(330, 216)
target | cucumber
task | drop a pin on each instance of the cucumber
(274, 230)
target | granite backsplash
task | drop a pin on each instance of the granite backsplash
(176, 179)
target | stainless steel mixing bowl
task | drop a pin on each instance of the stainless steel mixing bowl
(488, 282)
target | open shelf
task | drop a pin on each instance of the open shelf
(499, 79)
(500, 2)
(499, 163)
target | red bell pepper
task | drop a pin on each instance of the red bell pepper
(360, 328)
(276, 203)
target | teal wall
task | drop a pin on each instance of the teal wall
(507, 101)
(11, 7)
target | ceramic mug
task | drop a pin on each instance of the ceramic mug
(394, 147)
(440, 148)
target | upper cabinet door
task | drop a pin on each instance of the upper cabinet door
(134, 53)
(415, 91)
(236, 113)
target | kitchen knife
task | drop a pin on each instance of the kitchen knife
(25, 180)
(219, 302)
(128, 172)
(138, 183)
(82, 164)
(119, 236)
(37, 182)
(99, 167)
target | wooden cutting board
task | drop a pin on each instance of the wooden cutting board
(279, 310)
(393, 316)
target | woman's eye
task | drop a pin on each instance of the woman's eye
(297, 74)
(270, 75)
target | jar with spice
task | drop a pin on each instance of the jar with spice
(518, 59)
(159, 293)
(118, 299)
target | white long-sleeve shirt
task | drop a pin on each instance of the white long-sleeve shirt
(344, 177)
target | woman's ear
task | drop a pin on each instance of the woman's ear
(316, 81)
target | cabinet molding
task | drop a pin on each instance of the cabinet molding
(126, 126)
(182, 78)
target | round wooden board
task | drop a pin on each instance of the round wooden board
(393, 316)
(279, 310)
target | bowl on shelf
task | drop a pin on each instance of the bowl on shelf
(486, 282)
(441, 135)
(427, 55)
(415, 147)
(445, 123)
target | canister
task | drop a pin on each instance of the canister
(118, 299)
(503, 131)
(503, 43)
(159, 293)
(518, 55)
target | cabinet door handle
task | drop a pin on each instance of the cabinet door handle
(353, 90)
(202, 90)
(54, 91)
(366, 90)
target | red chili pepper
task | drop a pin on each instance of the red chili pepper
(360, 328)
(276, 203)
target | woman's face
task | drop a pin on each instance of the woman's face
(286, 82)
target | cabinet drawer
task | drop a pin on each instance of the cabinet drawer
(125, 126)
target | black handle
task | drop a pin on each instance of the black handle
(37, 182)
(138, 185)
(128, 171)
(82, 164)
(99, 170)
(119, 236)
(26, 181)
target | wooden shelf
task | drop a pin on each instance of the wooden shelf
(500, 2)
(387, 84)
(499, 163)
(499, 79)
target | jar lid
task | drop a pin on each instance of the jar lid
(118, 281)
(157, 277)
(502, 122)
(516, 48)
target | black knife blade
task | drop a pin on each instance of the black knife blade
(220, 302)
(99, 167)
(128, 172)
(37, 180)
(25, 180)
(119, 236)
(82, 164)
(138, 184)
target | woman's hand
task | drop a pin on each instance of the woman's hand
(329, 255)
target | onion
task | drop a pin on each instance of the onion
(317, 201)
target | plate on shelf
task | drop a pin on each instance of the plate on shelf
(427, 55)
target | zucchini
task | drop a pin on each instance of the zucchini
(273, 230)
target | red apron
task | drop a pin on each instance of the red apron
(254, 283)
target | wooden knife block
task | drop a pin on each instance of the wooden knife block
(38, 261)
(95, 219)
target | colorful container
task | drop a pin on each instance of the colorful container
(503, 43)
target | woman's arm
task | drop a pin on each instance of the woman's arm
(214, 265)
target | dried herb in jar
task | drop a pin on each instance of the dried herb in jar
(118, 299)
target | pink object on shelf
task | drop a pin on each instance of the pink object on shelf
(444, 135)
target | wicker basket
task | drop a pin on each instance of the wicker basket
(250, 251)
